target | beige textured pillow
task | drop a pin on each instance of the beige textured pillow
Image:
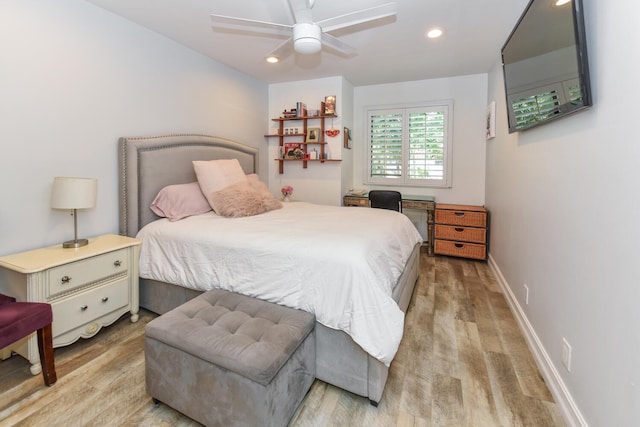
(242, 199)
(258, 185)
(214, 175)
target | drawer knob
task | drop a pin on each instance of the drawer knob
(458, 245)
(65, 279)
(459, 213)
(459, 230)
(117, 263)
(83, 307)
(105, 299)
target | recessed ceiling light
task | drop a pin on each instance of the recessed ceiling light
(561, 2)
(434, 33)
(272, 59)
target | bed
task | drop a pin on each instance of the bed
(148, 164)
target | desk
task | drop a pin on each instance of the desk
(425, 203)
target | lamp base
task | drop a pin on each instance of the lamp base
(75, 243)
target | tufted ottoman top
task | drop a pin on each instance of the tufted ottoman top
(248, 336)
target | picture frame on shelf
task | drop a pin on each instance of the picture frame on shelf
(329, 105)
(292, 151)
(313, 134)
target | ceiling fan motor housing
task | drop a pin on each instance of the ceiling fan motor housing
(307, 38)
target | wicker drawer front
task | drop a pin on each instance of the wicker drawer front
(470, 219)
(465, 234)
(465, 250)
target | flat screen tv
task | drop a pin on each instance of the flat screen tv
(544, 60)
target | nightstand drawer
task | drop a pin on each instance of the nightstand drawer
(466, 234)
(469, 219)
(465, 250)
(88, 306)
(80, 273)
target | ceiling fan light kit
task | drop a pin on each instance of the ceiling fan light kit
(306, 38)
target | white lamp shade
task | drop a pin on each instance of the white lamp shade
(73, 193)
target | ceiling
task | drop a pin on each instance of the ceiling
(390, 51)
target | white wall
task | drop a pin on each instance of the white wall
(469, 95)
(74, 79)
(320, 183)
(564, 220)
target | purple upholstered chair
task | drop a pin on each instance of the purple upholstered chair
(19, 319)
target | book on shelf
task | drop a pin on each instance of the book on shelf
(301, 109)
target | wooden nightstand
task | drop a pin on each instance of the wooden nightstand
(88, 288)
(461, 231)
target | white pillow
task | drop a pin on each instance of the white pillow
(214, 175)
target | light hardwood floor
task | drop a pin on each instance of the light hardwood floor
(463, 362)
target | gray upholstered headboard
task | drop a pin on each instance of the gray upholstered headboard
(147, 164)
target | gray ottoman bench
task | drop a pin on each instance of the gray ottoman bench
(225, 359)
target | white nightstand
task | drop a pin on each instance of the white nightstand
(88, 288)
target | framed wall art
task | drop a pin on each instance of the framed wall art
(347, 138)
(491, 120)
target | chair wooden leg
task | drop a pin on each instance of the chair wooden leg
(45, 348)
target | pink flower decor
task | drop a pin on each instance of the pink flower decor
(287, 190)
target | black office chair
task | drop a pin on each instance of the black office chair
(386, 199)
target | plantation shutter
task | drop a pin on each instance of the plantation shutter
(426, 144)
(386, 144)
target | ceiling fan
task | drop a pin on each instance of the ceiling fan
(306, 36)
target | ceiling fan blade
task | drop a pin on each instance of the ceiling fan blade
(359, 17)
(283, 50)
(251, 24)
(301, 10)
(335, 43)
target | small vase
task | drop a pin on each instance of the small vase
(286, 199)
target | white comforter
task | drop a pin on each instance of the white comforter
(339, 263)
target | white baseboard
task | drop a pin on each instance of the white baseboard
(563, 398)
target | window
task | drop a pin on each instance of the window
(409, 145)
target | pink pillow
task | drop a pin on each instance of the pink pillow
(180, 201)
(214, 175)
(242, 199)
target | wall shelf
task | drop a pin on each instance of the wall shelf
(288, 137)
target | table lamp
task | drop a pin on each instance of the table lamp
(74, 193)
